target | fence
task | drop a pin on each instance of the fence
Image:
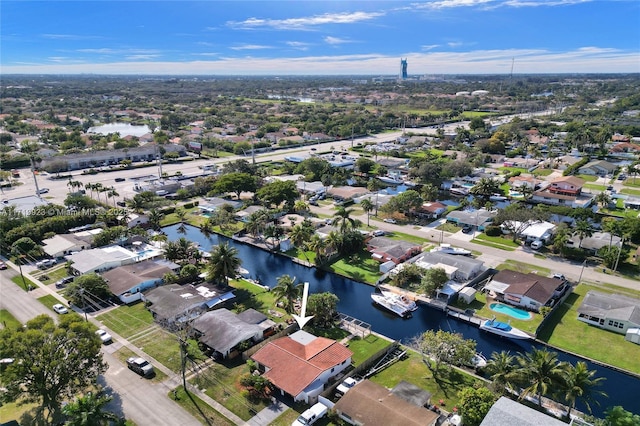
(285, 332)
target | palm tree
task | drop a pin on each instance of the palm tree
(602, 199)
(112, 193)
(342, 219)
(88, 410)
(578, 384)
(333, 241)
(299, 235)
(561, 237)
(155, 217)
(525, 190)
(301, 207)
(540, 371)
(319, 247)
(223, 263)
(501, 368)
(287, 292)
(583, 230)
(368, 207)
(485, 188)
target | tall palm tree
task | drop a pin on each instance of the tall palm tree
(301, 207)
(112, 193)
(368, 207)
(501, 367)
(155, 217)
(602, 199)
(223, 263)
(540, 372)
(583, 230)
(333, 241)
(579, 384)
(89, 410)
(299, 235)
(287, 292)
(319, 247)
(342, 218)
(485, 188)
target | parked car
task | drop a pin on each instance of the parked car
(59, 308)
(390, 220)
(346, 384)
(120, 179)
(3, 265)
(43, 190)
(378, 233)
(104, 336)
(121, 204)
(311, 415)
(559, 276)
(44, 264)
(537, 244)
(64, 281)
(140, 366)
(467, 229)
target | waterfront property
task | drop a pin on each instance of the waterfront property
(385, 249)
(511, 311)
(528, 291)
(507, 412)
(127, 282)
(301, 364)
(100, 259)
(368, 403)
(63, 244)
(613, 312)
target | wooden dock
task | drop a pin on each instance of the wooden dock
(472, 319)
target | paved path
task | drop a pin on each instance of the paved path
(268, 414)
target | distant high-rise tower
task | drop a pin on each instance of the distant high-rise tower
(403, 68)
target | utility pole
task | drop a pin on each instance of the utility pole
(582, 270)
(84, 304)
(615, 268)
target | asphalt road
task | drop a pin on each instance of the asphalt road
(17, 301)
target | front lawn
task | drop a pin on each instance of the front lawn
(124, 353)
(594, 186)
(127, 320)
(566, 332)
(492, 244)
(588, 178)
(198, 408)
(8, 321)
(525, 268)
(161, 345)
(53, 275)
(445, 386)
(448, 227)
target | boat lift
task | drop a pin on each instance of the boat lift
(395, 353)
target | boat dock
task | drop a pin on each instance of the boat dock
(436, 304)
(463, 316)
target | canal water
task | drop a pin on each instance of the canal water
(355, 301)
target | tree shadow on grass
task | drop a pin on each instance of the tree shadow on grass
(248, 300)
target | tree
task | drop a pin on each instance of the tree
(223, 263)
(368, 207)
(323, 307)
(433, 279)
(578, 384)
(89, 410)
(27, 246)
(429, 192)
(235, 182)
(618, 416)
(365, 165)
(611, 254)
(516, 218)
(343, 220)
(501, 368)
(405, 202)
(299, 235)
(55, 362)
(539, 372)
(277, 192)
(602, 199)
(583, 230)
(287, 291)
(155, 217)
(485, 188)
(474, 404)
(443, 347)
(87, 289)
(318, 246)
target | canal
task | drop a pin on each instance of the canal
(355, 301)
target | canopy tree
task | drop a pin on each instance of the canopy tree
(235, 182)
(277, 192)
(475, 403)
(54, 363)
(443, 347)
(323, 307)
(87, 289)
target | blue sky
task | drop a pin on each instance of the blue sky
(319, 38)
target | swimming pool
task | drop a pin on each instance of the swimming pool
(511, 311)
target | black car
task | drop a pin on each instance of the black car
(120, 179)
(467, 229)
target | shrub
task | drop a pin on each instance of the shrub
(493, 231)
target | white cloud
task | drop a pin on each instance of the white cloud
(70, 37)
(250, 47)
(299, 45)
(306, 22)
(588, 59)
(141, 57)
(427, 47)
(492, 4)
(335, 40)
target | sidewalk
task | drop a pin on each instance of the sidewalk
(269, 414)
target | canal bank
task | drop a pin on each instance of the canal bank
(355, 301)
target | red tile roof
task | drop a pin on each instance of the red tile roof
(294, 366)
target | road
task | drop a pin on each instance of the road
(141, 400)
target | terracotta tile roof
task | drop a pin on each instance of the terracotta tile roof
(294, 366)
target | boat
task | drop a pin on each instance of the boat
(409, 183)
(392, 179)
(391, 304)
(461, 192)
(503, 329)
(400, 299)
(478, 361)
(446, 248)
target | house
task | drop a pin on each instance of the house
(181, 303)
(479, 218)
(385, 249)
(565, 190)
(368, 403)
(136, 220)
(301, 364)
(222, 331)
(100, 259)
(528, 291)
(432, 210)
(613, 312)
(346, 193)
(531, 230)
(127, 282)
(464, 268)
(595, 242)
(598, 168)
(63, 244)
(243, 215)
(566, 185)
(527, 181)
(215, 203)
(507, 412)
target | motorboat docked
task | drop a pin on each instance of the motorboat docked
(446, 248)
(478, 361)
(400, 299)
(461, 192)
(503, 329)
(392, 179)
(391, 304)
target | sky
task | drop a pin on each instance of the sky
(319, 37)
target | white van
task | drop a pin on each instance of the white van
(161, 192)
(537, 244)
(311, 415)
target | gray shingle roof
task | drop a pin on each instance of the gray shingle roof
(506, 412)
(610, 306)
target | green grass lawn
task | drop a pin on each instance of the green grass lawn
(127, 320)
(53, 275)
(162, 346)
(588, 178)
(23, 284)
(594, 186)
(542, 172)
(504, 241)
(630, 191)
(492, 244)
(525, 268)
(249, 295)
(566, 332)
(448, 227)
(363, 349)
(8, 321)
(445, 386)
(23, 413)
(222, 383)
(361, 267)
(199, 409)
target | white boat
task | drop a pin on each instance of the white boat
(503, 329)
(409, 183)
(391, 179)
(446, 248)
(391, 305)
(478, 361)
(400, 299)
(461, 192)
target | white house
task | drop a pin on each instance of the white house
(100, 259)
(613, 312)
(63, 244)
